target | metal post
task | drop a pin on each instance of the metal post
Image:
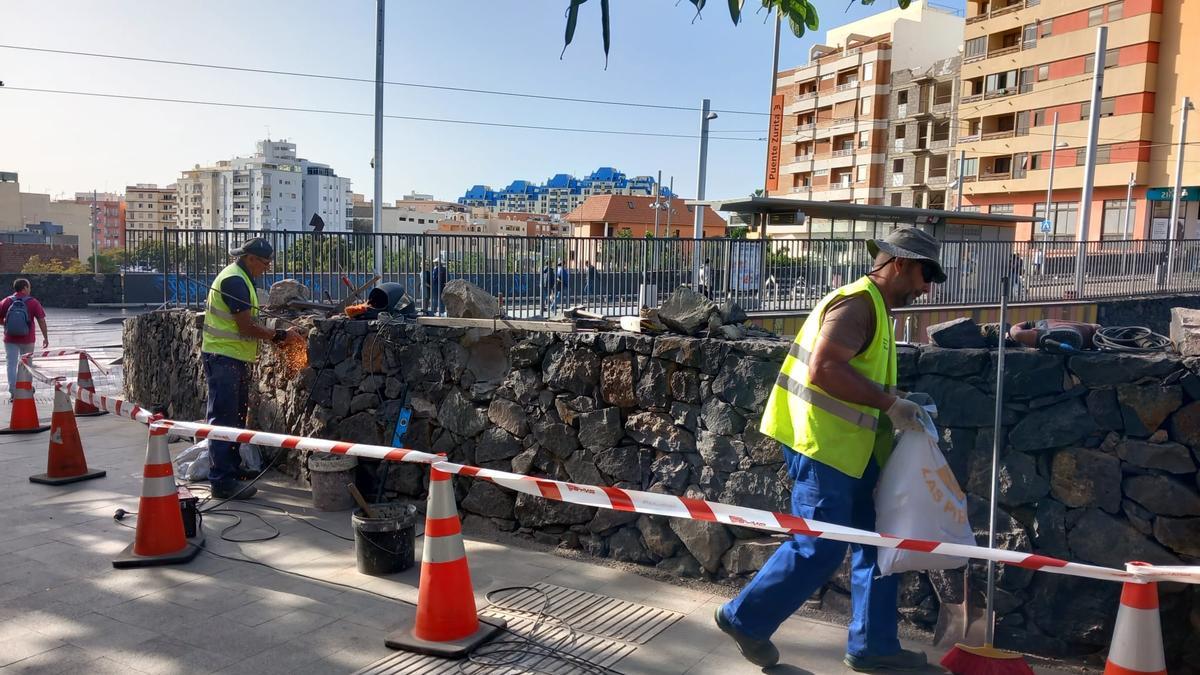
(95, 226)
(377, 207)
(670, 193)
(1089, 169)
(701, 171)
(1178, 185)
(1050, 180)
(774, 87)
(962, 165)
(657, 202)
(1125, 223)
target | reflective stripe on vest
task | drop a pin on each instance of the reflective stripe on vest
(809, 420)
(221, 335)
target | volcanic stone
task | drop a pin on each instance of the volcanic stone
(466, 300)
(489, 499)
(1162, 495)
(458, 414)
(509, 416)
(658, 536)
(572, 369)
(1145, 407)
(617, 380)
(621, 464)
(656, 430)
(962, 333)
(748, 556)
(1104, 540)
(601, 428)
(1181, 535)
(1169, 457)
(653, 388)
(1082, 477)
(1106, 370)
(745, 382)
(686, 311)
(1056, 426)
(496, 443)
(707, 542)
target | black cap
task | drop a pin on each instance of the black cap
(256, 246)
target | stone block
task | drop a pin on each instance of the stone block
(653, 387)
(1105, 540)
(509, 416)
(707, 542)
(458, 414)
(952, 362)
(1185, 330)
(1059, 425)
(718, 451)
(748, 556)
(1082, 477)
(601, 428)
(1163, 495)
(658, 431)
(464, 299)
(1181, 535)
(1104, 410)
(658, 536)
(489, 499)
(620, 464)
(496, 443)
(1184, 425)
(1145, 407)
(618, 380)
(745, 382)
(1106, 370)
(1169, 457)
(573, 369)
(962, 333)
(686, 311)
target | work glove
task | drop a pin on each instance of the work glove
(923, 400)
(905, 415)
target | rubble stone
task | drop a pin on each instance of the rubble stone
(464, 299)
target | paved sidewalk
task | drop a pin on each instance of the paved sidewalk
(63, 608)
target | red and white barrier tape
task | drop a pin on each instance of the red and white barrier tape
(27, 359)
(653, 503)
(636, 501)
(112, 404)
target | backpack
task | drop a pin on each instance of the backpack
(16, 322)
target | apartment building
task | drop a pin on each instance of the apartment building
(920, 147)
(836, 108)
(149, 207)
(20, 211)
(108, 217)
(1024, 61)
(559, 195)
(272, 189)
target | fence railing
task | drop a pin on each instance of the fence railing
(619, 275)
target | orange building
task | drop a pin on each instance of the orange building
(1024, 61)
(633, 216)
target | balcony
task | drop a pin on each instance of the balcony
(806, 95)
(1016, 6)
(971, 99)
(1005, 175)
(998, 134)
(843, 153)
(847, 86)
(1003, 51)
(1000, 93)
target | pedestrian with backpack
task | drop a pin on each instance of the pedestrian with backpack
(18, 312)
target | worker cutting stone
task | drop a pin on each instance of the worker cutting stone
(230, 345)
(834, 408)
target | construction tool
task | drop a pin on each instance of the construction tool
(358, 498)
(402, 420)
(987, 660)
(355, 293)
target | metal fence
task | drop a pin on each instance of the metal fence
(615, 276)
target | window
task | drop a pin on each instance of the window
(1035, 161)
(1045, 27)
(897, 166)
(1027, 75)
(1089, 63)
(1103, 154)
(863, 172)
(969, 209)
(868, 71)
(1001, 209)
(897, 199)
(1022, 123)
(902, 97)
(864, 139)
(1039, 118)
(971, 166)
(864, 107)
(1020, 164)
(1114, 219)
(1029, 36)
(1002, 165)
(1108, 107)
(1116, 11)
(975, 48)
(1112, 57)
(1063, 217)
(1095, 16)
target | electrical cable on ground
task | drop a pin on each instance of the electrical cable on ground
(1131, 340)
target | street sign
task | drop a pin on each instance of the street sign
(1188, 193)
(1046, 226)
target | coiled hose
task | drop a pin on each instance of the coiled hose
(1131, 340)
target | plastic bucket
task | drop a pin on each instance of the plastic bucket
(384, 544)
(329, 476)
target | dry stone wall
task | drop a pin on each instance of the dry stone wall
(1099, 462)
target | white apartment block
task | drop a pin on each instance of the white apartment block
(270, 190)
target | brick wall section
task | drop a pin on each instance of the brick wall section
(14, 256)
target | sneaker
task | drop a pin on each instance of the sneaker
(236, 490)
(901, 660)
(759, 652)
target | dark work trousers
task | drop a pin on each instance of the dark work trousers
(228, 389)
(801, 566)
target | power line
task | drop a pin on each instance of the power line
(352, 113)
(345, 78)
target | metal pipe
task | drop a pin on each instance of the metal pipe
(990, 623)
(377, 207)
(701, 175)
(1089, 170)
(1178, 186)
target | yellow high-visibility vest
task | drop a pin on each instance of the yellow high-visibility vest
(808, 420)
(221, 334)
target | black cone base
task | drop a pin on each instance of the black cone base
(404, 639)
(45, 479)
(92, 414)
(34, 430)
(127, 558)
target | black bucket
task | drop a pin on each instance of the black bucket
(384, 544)
(386, 296)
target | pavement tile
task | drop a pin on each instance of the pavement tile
(236, 640)
(101, 666)
(49, 662)
(97, 632)
(168, 656)
(156, 613)
(21, 643)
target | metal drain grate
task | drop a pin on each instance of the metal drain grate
(597, 628)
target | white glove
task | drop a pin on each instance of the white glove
(921, 399)
(905, 415)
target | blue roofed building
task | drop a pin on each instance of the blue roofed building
(560, 194)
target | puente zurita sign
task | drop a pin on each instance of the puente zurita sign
(1163, 194)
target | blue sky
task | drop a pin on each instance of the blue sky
(62, 144)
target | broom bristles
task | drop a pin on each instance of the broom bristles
(986, 660)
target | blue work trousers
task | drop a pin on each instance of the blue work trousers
(228, 389)
(801, 566)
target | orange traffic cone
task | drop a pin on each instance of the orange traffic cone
(84, 380)
(446, 623)
(159, 539)
(1137, 646)
(65, 462)
(24, 418)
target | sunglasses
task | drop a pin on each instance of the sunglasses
(929, 271)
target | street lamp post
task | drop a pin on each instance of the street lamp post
(702, 169)
(1183, 120)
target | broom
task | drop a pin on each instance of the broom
(987, 660)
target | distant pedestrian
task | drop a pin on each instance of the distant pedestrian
(18, 312)
(1015, 269)
(547, 289)
(704, 282)
(562, 281)
(437, 283)
(589, 280)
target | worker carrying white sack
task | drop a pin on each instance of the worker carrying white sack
(835, 408)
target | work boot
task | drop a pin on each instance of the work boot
(235, 489)
(901, 660)
(759, 652)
